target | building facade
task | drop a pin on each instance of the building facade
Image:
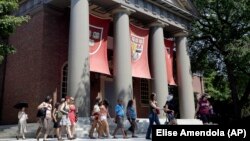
(53, 55)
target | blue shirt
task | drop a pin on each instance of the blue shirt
(119, 110)
(131, 112)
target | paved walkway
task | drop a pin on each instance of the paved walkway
(140, 138)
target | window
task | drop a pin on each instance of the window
(64, 80)
(145, 91)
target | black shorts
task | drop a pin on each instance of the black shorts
(57, 124)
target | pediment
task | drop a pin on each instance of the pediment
(185, 5)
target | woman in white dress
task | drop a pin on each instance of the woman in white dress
(22, 123)
(65, 122)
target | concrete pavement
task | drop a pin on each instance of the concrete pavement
(140, 138)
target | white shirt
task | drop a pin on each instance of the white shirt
(96, 109)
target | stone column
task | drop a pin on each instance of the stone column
(122, 56)
(78, 57)
(184, 74)
(158, 64)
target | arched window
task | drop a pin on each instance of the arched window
(64, 80)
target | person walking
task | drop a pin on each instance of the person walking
(204, 109)
(119, 118)
(22, 123)
(95, 124)
(57, 116)
(72, 116)
(131, 115)
(104, 114)
(168, 108)
(153, 115)
(46, 118)
(65, 122)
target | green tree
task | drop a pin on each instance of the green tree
(8, 24)
(217, 86)
(219, 42)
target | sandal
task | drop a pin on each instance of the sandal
(134, 136)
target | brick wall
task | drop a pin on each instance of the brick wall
(198, 84)
(34, 71)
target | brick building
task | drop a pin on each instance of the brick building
(53, 54)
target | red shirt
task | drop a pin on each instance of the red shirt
(204, 106)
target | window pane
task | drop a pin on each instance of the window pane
(144, 88)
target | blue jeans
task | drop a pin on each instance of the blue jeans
(153, 117)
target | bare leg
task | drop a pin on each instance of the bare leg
(72, 128)
(93, 126)
(46, 128)
(23, 136)
(107, 128)
(38, 131)
(100, 129)
(116, 129)
(123, 133)
(57, 130)
(68, 131)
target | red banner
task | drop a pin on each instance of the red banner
(98, 34)
(139, 51)
(169, 46)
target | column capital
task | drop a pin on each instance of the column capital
(183, 33)
(123, 9)
(158, 23)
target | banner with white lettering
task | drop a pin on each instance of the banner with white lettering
(139, 51)
(169, 46)
(98, 34)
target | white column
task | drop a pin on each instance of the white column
(122, 56)
(184, 74)
(78, 57)
(158, 64)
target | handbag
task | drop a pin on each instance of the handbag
(41, 113)
(157, 111)
(59, 115)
